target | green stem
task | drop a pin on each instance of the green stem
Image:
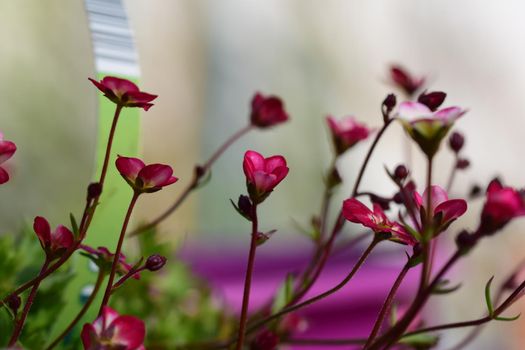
(81, 313)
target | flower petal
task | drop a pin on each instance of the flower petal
(108, 317)
(449, 114)
(62, 237)
(42, 230)
(88, 336)
(7, 149)
(129, 167)
(274, 162)
(4, 176)
(357, 212)
(129, 331)
(452, 209)
(439, 195)
(252, 162)
(156, 175)
(413, 110)
(119, 86)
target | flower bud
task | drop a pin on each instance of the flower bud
(466, 241)
(265, 340)
(155, 262)
(94, 190)
(398, 198)
(432, 100)
(388, 105)
(475, 191)
(456, 141)
(14, 302)
(401, 172)
(267, 111)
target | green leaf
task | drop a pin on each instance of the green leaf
(74, 225)
(284, 294)
(419, 341)
(441, 289)
(488, 297)
(499, 318)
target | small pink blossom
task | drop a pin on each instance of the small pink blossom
(54, 243)
(124, 92)
(145, 178)
(113, 331)
(357, 212)
(502, 205)
(346, 132)
(104, 259)
(443, 210)
(267, 111)
(406, 81)
(263, 174)
(425, 127)
(7, 149)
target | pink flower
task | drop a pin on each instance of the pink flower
(54, 243)
(267, 111)
(405, 81)
(7, 149)
(357, 212)
(263, 174)
(444, 210)
(124, 93)
(425, 127)
(103, 258)
(346, 132)
(502, 205)
(112, 331)
(145, 178)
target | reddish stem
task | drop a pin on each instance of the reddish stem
(113, 271)
(19, 324)
(248, 279)
(109, 144)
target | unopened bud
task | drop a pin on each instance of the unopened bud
(462, 163)
(401, 172)
(388, 105)
(14, 302)
(94, 190)
(432, 99)
(456, 141)
(465, 240)
(155, 262)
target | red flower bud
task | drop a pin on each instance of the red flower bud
(346, 133)
(145, 178)
(267, 111)
(263, 174)
(388, 105)
(405, 81)
(462, 163)
(432, 99)
(155, 262)
(94, 190)
(265, 340)
(401, 172)
(124, 93)
(456, 141)
(501, 206)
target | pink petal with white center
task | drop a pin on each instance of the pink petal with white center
(357, 212)
(42, 230)
(156, 175)
(7, 149)
(129, 167)
(129, 331)
(274, 162)
(413, 110)
(62, 237)
(439, 195)
(379, 213)
(4, 176)
(452, 209)
(449, 114)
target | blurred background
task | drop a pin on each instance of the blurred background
(206, 59)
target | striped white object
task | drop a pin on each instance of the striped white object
(112, 38)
